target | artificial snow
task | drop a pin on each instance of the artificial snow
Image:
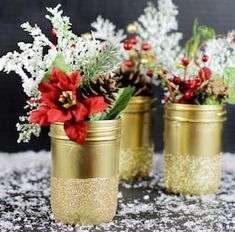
(143, 205)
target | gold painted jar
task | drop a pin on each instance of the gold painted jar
(84, 179)
(137, 145)
(193, 148)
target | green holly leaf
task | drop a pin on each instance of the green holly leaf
(229, 77)
(210, 101)
(57, 63)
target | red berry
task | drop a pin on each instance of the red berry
(149, 73)
(183, 87)
(182, 100)
(133, 40)
(191, 84)
(205, 73)
(128, 63)
(185, 61)
(73, 45)
(198, 81)
(54, 33)
(188, 94)
(205, 58)
(177, 80)
(146, 46)
(127, 45)
(165, 72)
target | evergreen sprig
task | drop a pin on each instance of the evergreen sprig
(104, 62)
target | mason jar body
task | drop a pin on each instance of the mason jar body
(137, 145)
(193, 148)
(84, 179)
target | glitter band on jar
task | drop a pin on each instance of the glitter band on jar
(137, 145)
(193, 148)
(84, 182)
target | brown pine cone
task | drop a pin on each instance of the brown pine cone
(103, 85)
(216, 89)
(134, 78)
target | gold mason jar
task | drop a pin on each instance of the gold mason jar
(137, 144)
(193, 148)
(84, 180)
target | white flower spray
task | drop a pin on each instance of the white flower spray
(158, 26)
(35, 59)
(221, 52)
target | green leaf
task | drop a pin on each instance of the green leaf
(195, 26)
(206, 32)
(229, 77)
(210, 101)
(231, 97)
(192, 44)
(200, 34)
(98, 116)
(120, 104)
(57, 63)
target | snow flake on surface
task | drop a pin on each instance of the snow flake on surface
(143, 205)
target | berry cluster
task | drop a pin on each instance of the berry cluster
(187, 90)
(140, 56)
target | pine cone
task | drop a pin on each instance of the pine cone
(216, 89)
(134, 78)
(103, 85)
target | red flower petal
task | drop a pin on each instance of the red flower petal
(76, 131)
(95, 104)
(40, 116)
(57, 115)
(59, 79)
(46, 87)
(80, 112)
(75, 78)
(55, 73)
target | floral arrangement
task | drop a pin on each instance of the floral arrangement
(151, 41)
(68, 79)
(206, 74)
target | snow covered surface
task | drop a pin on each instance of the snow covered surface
(144, 205)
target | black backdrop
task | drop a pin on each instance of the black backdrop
(218, 14)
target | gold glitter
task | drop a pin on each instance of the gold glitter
(84, 182)
(88, 201)
(136, 162)
(192, 147)
(193, 175)
(137, 138)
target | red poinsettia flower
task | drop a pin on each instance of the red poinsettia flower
(60, 102)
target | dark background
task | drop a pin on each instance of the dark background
(218, 14)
